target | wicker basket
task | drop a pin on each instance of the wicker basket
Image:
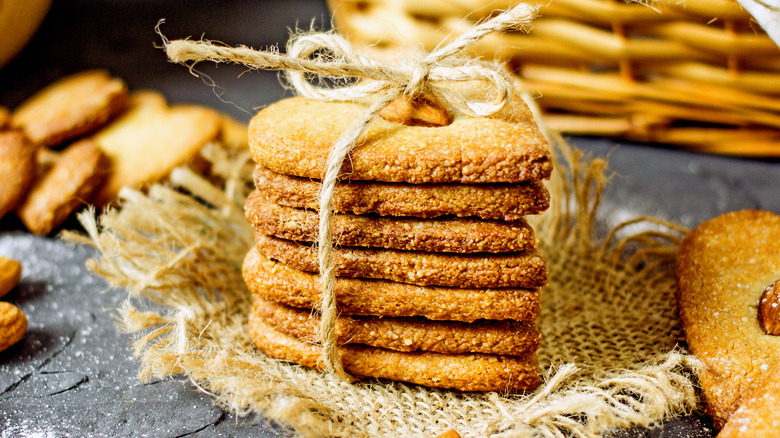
(699, 74)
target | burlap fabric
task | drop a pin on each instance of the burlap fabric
(609, 355)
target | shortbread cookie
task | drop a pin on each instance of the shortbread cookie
(463, 372)
(71, 107)
(724, 266)
(758, 416)
(150, 139)
(10, 274)
(233, 133)
(70, 182)
(17, 169)
(522, 269)
(449, 234)
(406, 334)
(278, 282)
(294, 136)
(507, 202)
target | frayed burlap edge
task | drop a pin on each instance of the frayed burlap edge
(609, 356)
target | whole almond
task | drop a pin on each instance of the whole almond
(10, 274)
(423, 110)
(13, 325)
(769, 309)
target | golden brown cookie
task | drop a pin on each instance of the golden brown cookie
(70, 182)
(233, 133)
(293, 137)
(10, 274)
(448, 234)
(150, 139)
(507, 202)
(510, 338)
(517, 269)
(17, 169)
(278, 282)
(464, 372)
(723, 268)
(71, 107)
(758, 415)
(13, 325)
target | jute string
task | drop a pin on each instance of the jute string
(377, 83)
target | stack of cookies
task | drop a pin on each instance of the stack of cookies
(438, 273)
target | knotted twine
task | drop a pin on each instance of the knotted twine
(328, 55)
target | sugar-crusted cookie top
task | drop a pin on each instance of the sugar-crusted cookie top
(723, 267)
(293, 136)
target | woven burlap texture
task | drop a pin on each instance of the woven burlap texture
(609, 355)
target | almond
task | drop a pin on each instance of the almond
(13, 325)
(10, 274)
(423, 110)
(769, 309)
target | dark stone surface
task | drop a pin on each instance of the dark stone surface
(73, 374)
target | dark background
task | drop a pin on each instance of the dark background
(73, 375)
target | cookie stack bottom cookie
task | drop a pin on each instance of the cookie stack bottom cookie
(437, 300)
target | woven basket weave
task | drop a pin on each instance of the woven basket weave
(699, 74)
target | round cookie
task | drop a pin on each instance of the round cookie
(356, 296)
(464, 372)
(71, 107)
(293, 137)
(406, 334)
(508, 202)
(724, 265)
(17, 169)
(516, 269)
(448, 235)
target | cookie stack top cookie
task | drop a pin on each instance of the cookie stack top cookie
(294, 136)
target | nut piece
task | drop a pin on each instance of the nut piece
(769, 309)
(10, 274)
(421, 110)
(13, 325)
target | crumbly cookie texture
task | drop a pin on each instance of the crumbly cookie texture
(71, 107)
(507, 202)
(519, 270)
(293, 136)
(277, 282)
(17, 169)
(70, 182)
(757, 416)
(448, 234)
(723, 267)
(464, 372)
(406, 334)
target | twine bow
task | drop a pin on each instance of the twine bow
(328, 55)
